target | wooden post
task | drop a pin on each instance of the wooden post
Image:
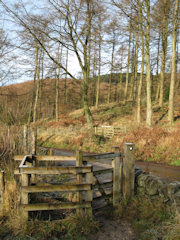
(128, 170)
(79, 162)
(51, 152)
(33, 177)
(89, 194)
(24, 195)
(95, 130)
(33, 141)
(2, 186)
(25, 140)
(116, 177)
(113, 131)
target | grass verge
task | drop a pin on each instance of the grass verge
(151, 218)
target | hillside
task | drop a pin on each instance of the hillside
(159, 143)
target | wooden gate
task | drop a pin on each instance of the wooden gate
(88, 183)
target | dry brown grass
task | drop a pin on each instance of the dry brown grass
(171, 228)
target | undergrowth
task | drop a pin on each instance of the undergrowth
(152, 219)
(14, 226)
(157, 144)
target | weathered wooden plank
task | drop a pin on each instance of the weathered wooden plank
(89, 193)
(56, 188)
(46, 158)
(79, 178)
(104, 197)
(128, 170)
(55, 170)
(89, 158)
(95, 157)
(116, 176)
(54, 206)
(100, 188)
(54, 158)
(106, 184)
(16, 172)
(103, 171)
(110, 155)
(2, 184)
(18, 157)
(24, 195)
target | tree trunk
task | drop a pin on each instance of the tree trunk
(136, 64)
(142, 67)
(37, 92)
(30, 119)
(164, 50)
(59, 56)
(112, 63)
(173, 67)
(148, 67)
(157, 77)
(127, 71)
(65, 80)
(99, 66)
(41, 83)
(87, 111)
(93, 86)
(120, 84)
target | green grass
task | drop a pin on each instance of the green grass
(176, 163)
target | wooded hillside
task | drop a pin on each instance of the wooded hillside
(121, 51)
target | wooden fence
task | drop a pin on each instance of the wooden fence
(109, 131)
(86, 179)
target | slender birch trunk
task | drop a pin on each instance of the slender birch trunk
(30, 119)
(128, 60)
(99, 66)
(157, 75)
(112, 63)
(41, 83)
(164, 50)
(37, 91)
(148, 67)
(173, 66)
(120, 83)
(65, 80)
(142, 66)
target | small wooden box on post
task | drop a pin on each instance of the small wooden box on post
(128, 170)
(116, 176)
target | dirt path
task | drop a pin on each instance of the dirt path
(114, 230)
